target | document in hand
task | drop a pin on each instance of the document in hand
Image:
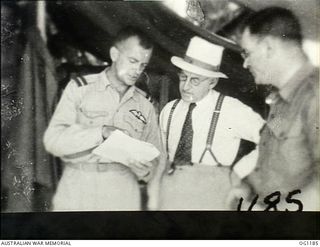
(119, 147)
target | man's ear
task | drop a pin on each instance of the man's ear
(213, 82)
(114, 53)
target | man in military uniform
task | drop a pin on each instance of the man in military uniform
(289, 158)
(90, 109)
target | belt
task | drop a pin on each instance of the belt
(98, 167)
(173, 167)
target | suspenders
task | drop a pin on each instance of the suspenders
(80, 80)
(169, 123)
(212, 128)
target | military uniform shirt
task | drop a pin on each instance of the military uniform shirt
(76, 125)
(289, 150)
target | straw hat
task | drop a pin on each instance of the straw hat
(202, 58)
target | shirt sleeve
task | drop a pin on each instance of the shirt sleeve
(64, 136)
(163, 121)
(310, 117)
(152, 131)
(154, 184)
(246, 164)
(152, 135)
(247, 123)
(247, 126)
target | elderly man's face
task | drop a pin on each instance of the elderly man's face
(255, 57)
(131, 60)
(194, 87)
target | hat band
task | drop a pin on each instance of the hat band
(201, 64)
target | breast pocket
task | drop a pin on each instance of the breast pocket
(284, 128)
(291, 142)
(92, 118)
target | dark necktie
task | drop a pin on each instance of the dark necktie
(183, 153)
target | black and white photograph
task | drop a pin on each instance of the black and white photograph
(160, 119)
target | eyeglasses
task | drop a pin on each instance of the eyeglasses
(194, 81)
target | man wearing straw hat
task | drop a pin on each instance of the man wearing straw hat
(202, 133)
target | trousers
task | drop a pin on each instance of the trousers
(112, 189)
(197, 187)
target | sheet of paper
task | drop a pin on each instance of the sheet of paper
(122, 148)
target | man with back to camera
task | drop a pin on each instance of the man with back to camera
(90, 109)
(202, 133)
(288, 163)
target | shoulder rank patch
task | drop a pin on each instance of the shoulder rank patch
(138, 115)
(80, 80)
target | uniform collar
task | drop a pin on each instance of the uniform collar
(288, 90)
(130, 94)
(103, 81)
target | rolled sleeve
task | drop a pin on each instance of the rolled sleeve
(247, 126)
(247, 164)
(247, 122)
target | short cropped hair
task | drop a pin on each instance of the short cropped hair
(130, 31)
(275, 21)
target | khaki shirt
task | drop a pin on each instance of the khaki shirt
(289, 146)
(76, 125)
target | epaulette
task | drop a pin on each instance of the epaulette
(80, 80)
(144, 94)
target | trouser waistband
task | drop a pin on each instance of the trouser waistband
(189, 165)
(97, 167)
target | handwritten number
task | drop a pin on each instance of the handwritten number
(290, 200)
(272, 203)
(253, 202)
(240, 204)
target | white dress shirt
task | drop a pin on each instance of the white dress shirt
(236, 121)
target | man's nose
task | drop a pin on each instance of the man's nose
(186, 84)
(246, 63)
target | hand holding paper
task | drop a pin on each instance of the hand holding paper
(141, 169)
(122, 148)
